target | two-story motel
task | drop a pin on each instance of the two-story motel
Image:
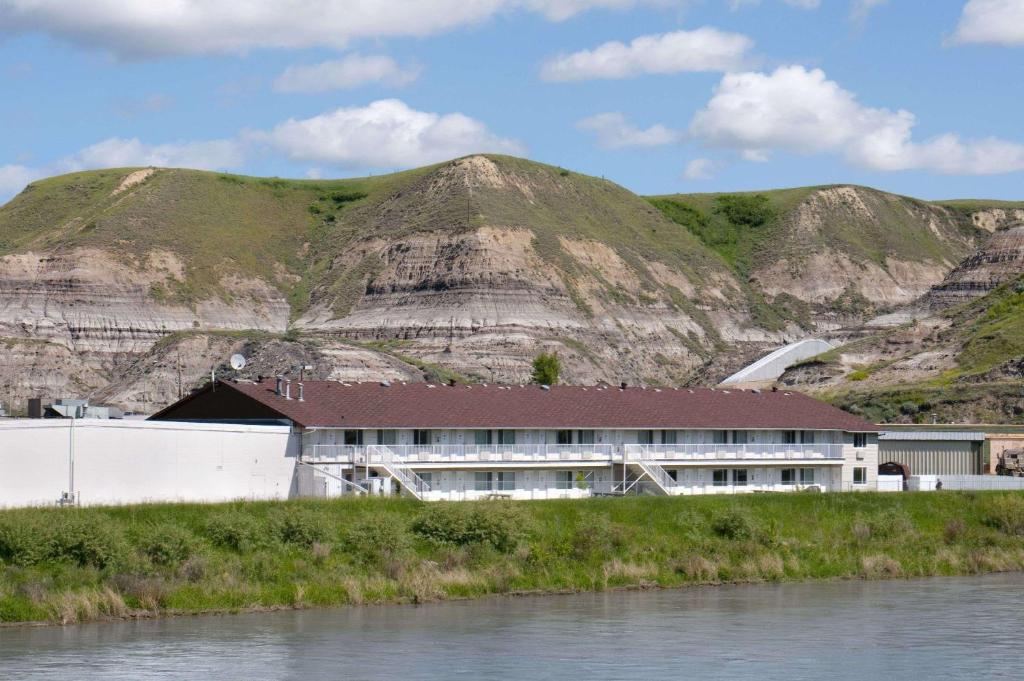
(471, 441)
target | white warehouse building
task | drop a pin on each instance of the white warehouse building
(454, 442)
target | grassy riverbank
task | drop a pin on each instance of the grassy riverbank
(80, 564)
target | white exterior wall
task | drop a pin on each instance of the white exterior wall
(854, 457)
(122, 462)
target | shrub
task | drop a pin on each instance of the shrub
(1005, 513)
(25, 541)
(745, 210)
(892, 522)
(499, 525)
(235, 530)
(378, 540)
(299, 526)
(732, 525)
(166, 543)
(88, 541)
(546, 369)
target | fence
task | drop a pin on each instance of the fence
(965, 482)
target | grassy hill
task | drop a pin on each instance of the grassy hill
(753, 229)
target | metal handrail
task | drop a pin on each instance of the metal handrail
(397, 468)
(473, 453)
(733, 451)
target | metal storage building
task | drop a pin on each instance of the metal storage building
(934, 452)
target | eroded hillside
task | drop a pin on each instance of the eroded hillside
(112, 282)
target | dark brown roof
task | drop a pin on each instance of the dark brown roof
(421, 405)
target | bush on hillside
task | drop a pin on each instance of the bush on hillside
(235, 530)
(732, 525)
(1005, 513)
(501, 526)
(166, 543)
(299, 526)
(377, 540)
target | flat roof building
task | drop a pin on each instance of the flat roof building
(470, 441)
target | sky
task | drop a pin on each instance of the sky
(662, 96)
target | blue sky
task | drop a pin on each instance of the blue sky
(661, 96)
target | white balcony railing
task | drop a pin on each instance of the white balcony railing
(540, 453)
(732, 452)
(361, 455)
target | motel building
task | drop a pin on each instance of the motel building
(455, 442)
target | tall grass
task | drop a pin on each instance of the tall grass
(70, 565)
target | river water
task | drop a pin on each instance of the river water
(964, 628)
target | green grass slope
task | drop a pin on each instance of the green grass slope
(751, 230)
(71, 565)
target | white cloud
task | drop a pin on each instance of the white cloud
(613, 131)
(384, 134)
(801, 111)
(703, 49)
(117, 153)
(700, 169)
(13, 179)
(136, 28)
(999, 22)
(349, 72)
(860, 9)
(802, 4)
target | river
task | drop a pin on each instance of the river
(962, 628)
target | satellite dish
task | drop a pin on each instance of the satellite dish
(237, 362)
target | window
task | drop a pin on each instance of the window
(585, 437)
(668, 437)
(387, 437)
(673, 473)
(421, 437)
(788, 476)
(789, 437)
(806, 476)
(353, 437)
(739, 437)
(482, 437)
(860, 475)
(564, 437)
(860, 440)
(645, 437)
(720, 477)
(719, 437)
(428, 479)
(807, 437)
(739, 477)
(506, 480)
(506, 437)
(482, 481)
(564, 479)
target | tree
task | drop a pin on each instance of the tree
(546, 368)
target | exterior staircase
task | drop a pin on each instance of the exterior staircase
(663, 482)
(380, 456)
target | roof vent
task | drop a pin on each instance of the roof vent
(451, 382)
(287, 389)
(277, 386)
(622, 386)
(756, 391)
(431, 385)
(545, 387)
(775, 388)
(302, 397)
(385, 384)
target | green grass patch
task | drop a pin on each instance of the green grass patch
(70, 565)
